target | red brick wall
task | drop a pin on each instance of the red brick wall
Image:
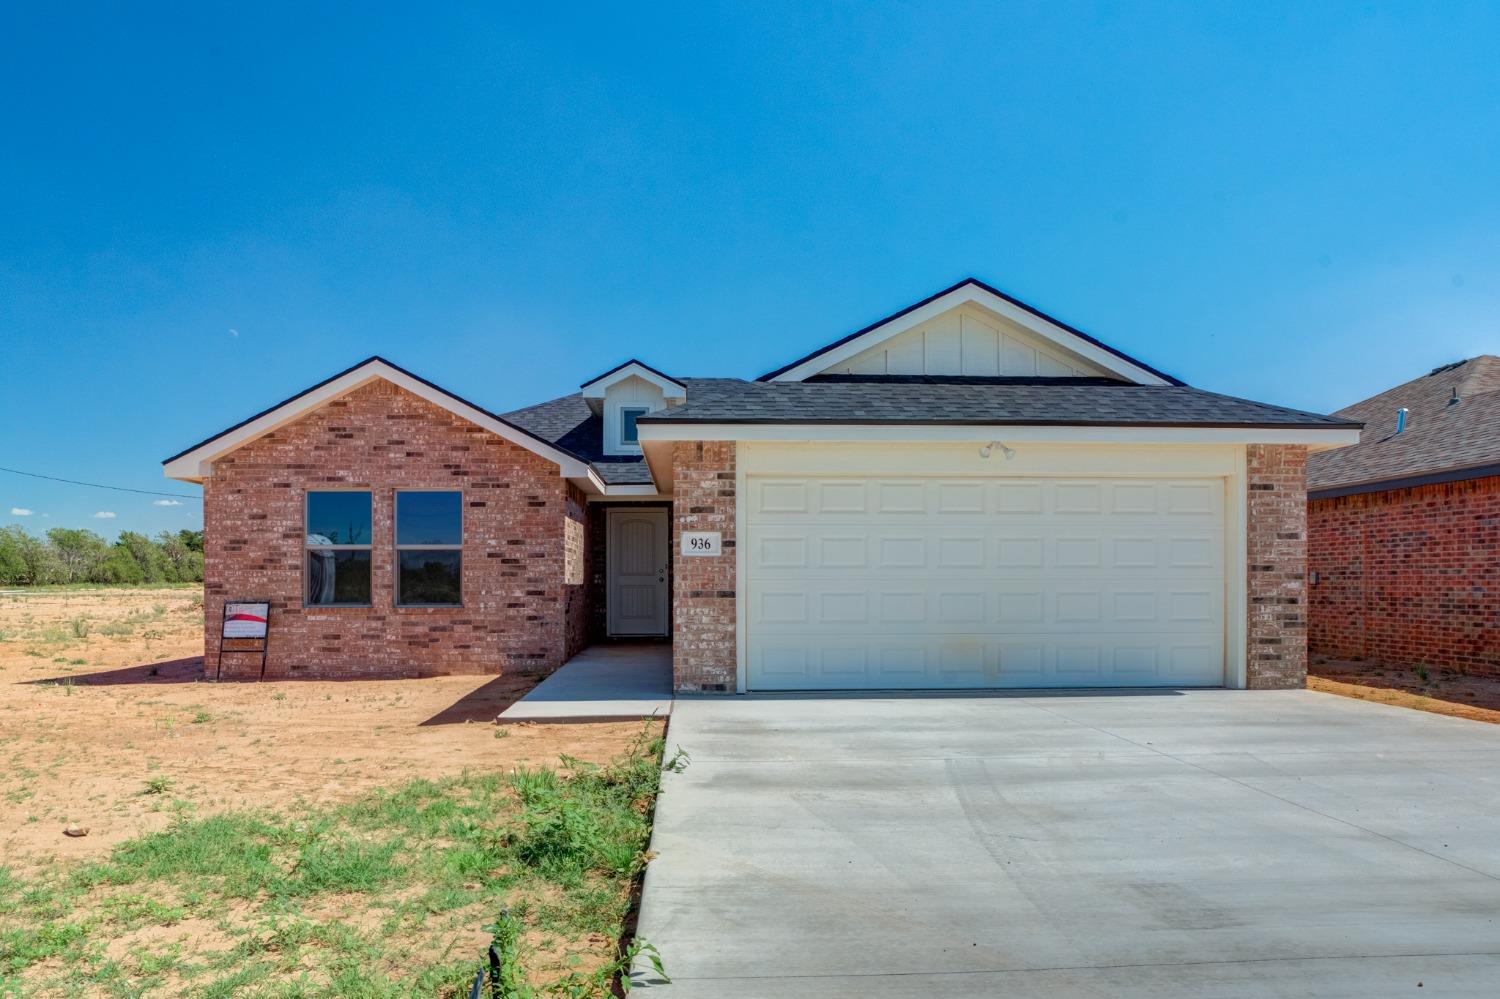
(1409, 575)
(703, 499)
(523, 592)
(575, 571)
(1276, 529)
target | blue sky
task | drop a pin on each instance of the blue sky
(204, 211)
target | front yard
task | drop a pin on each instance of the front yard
(289, 839)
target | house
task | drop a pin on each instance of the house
(968, 493)
(1404, 527)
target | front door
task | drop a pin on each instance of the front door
(636, 559)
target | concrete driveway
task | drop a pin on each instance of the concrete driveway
(1198, 844)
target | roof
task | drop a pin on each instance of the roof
(972, 283)
(642, 368)
(1441, 442)
(925, 399)
(570, 424)
(184, 464)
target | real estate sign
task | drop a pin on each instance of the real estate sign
(246, 620)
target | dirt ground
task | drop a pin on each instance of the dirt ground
(1441, 691)
(106, 721)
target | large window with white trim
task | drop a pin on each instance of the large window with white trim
(337, 567)
(429, 549)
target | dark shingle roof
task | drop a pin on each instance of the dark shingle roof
(1439, 437)
(571, 425)
(935, 400)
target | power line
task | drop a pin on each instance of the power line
(97, 485)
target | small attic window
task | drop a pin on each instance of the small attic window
(629, 434)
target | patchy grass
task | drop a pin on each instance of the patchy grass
(394, 894)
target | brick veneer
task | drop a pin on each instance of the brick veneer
(1276, 536)
(575, 569)
(1409, 575)
(525, 602)
(703, 499)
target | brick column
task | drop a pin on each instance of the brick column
(703, 589)
(1276, 523)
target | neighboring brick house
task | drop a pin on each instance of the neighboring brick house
(966, 494)
(1404, 527)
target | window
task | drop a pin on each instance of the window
(628, 415)
(338, 549)
(429, 549)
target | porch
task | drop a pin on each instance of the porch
(618, 681)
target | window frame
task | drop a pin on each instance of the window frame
(368, 547)
(397, 547)
(639, 412)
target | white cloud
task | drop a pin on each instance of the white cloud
(234, 332)
(165, 502)
(105, 515)
(20, 511)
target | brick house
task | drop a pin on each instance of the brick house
(1404, 527)
(965, 494)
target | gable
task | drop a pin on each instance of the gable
(633, 392)
(196, 463)
(1035, 340)
(967, 341)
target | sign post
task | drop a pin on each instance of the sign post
(246, 620)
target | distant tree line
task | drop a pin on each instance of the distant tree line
(69, 555)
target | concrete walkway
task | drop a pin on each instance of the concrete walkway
(1178, 844)
(616, 682)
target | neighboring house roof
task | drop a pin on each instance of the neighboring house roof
(1443, 440)
(976, 290)
(927, 399)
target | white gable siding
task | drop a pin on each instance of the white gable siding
(632, 391)
(963, 341)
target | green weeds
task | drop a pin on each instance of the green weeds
(379, 897)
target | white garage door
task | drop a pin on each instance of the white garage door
(972, 582)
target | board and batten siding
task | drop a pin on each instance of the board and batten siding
(965, 341)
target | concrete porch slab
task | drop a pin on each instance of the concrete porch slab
(602, 683)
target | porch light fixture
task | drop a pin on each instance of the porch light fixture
(989, 449)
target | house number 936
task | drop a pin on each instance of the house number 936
(702, 543)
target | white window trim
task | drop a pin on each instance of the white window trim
(639, 412)
(398, 548)
(367, 547)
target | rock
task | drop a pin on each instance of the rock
(76, 830)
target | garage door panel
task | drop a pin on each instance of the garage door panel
(974, 582)
(1017, 605)
(1059, 548)
(1187, 500)
(827, 662)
